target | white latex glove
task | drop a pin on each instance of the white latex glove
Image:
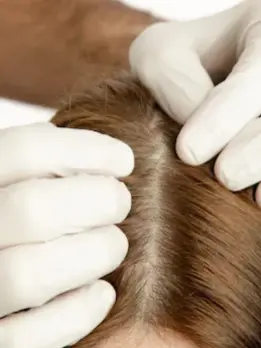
(175, 60)
(53, 235)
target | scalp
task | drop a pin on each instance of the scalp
(195, 248)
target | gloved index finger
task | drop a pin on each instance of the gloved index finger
(43, 149)
(226, 111)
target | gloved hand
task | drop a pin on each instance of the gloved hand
(177, 60)
(53, 236)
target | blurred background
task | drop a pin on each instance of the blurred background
(182, 9)
(51, 50)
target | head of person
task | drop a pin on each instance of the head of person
(192, 277)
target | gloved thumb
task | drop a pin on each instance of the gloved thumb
(173, 73)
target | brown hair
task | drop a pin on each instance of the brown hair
(195, 248)
(49, 48)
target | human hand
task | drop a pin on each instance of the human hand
(58, 233)
(176, 62)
